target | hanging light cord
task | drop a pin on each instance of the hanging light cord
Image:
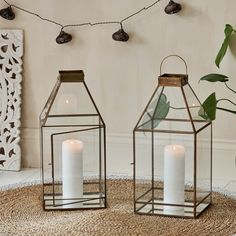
(86, 23)
(32, 13)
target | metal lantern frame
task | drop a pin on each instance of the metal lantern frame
(52, 197)
(151, 202)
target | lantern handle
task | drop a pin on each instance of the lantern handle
(173, 55)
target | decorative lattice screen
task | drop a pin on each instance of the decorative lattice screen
(11, 52)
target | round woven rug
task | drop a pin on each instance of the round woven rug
(21, 213)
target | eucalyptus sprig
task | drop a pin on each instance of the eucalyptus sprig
(210, 105)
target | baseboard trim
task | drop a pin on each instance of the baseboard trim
(120, 154)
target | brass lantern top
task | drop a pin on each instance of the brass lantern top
(70, 100)
(173, 80)
(174, 106)
(71, 76)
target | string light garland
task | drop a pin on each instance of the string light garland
(7, 13)
(120, 35)
(172, 8)
(64, 37)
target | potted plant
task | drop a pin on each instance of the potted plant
(212, 104)
(159, 110)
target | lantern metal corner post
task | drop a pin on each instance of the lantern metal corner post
(73, 147)
(172, 148)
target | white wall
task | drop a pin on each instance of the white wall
(122, 76)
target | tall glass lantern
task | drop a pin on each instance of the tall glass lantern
(173, 152)
(73, 147)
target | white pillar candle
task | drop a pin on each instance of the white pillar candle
(72, 171)
(174, 177)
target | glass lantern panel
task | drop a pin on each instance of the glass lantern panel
(173, 174)
(72, 98)
(167, 111)
(46, 163)
(194, 108)
(203, 190)
(72, 105)
(146, 118)
(67, 121)
(162, 179)
(75, 183)
(143, 171)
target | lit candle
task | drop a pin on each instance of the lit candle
(67, 104)
(174, 176)
(72, 171)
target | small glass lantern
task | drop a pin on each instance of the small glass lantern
(172, 152)
(73, 147)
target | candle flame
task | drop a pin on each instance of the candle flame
(67, 101)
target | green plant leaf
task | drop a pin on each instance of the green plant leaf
(208, 109)
(228, 32)
(203, 114)
(161, 110)
(215, 78)
(152, 106)
(158, 111)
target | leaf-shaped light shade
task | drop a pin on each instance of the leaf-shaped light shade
(228, 32)
(120, 35)
(215, 78)
(63, 37)
(208, 109)
(173, 8)
(7, 13)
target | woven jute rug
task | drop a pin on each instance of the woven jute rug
(21, 213)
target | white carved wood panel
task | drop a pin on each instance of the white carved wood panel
(11, 52)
